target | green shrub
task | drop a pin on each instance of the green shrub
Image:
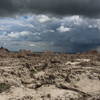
(4, 87)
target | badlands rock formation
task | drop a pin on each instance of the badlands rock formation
(49, 76)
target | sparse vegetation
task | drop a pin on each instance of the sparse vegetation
(4, 87)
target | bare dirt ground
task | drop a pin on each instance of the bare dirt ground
(49, 76)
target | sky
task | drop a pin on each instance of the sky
(55, 25)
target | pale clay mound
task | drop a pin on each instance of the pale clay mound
(49, 76)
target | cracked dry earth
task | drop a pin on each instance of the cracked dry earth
(49, 76)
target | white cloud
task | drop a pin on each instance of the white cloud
(18, 34)
(32, 45)
(76, 19)
(63, 29)
(43, 18)
(73, 20)
(26, 25)
(37, 33)
(3, 28)
(97, 24)
(90, 26)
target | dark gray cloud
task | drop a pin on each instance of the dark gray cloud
(89, 8)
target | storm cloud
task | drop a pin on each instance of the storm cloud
(40, 32)
(90, 8)
(58, 25)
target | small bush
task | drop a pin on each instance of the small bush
(4, 87)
